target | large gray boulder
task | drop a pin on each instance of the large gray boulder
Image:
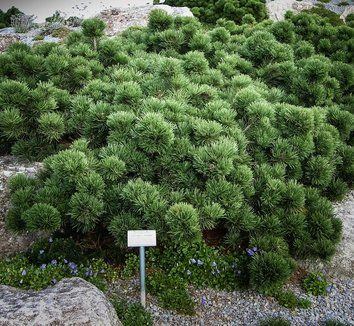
(278, 8)
(72, 301)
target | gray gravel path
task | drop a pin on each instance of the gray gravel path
(249, 307)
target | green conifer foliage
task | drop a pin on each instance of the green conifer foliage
(93, 28)
(242, 130)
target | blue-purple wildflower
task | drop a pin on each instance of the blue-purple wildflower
(251, 252)
(189, 273)
(89, 273)
(43, 266)
(329, 288)
(24, 273)
(72, 266)
(204, 301)
(199, 262)
(192, 261)
(41, 252)
(54, 262)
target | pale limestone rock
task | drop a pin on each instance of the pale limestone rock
(119, 19)
(72, 301)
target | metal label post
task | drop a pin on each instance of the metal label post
(142, 276)
(142, 239)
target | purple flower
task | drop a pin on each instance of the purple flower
(213, 264)
(199, 262)
(217, 271)
(24, 273)
(254, 249)
(54, 262)
(65, 261)
(41, 252)
(43, 266)
(50, 239)
(54, 281)
(88, 273)
(204, 301)
(329, 288)
(192, 261)
(72, 266)
(189, 273)
(250, 252)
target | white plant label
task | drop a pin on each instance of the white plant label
(142, 238)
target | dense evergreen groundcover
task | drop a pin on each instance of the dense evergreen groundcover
(241, 130)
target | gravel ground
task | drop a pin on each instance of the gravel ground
(248, 307)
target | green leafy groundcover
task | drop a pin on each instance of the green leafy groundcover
(242, 131)
(49, 261)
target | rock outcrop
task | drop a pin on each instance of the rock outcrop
(72, 301)
(6, 39)
(120, 19)
(278, 8)
(9, 242)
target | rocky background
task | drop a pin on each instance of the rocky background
(278, 8)
(119, 19)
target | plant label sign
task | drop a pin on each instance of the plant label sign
(142, 238)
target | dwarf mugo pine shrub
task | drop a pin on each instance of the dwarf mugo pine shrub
(244, 130)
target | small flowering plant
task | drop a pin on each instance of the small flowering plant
(317, 284)
(251, 251)
(53, 249)
(18, 271)
(198, 265)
